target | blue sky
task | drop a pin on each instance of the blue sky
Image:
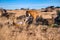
(37, 4)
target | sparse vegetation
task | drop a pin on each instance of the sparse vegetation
(55, 25)
(10, 30)
(57, 20)
(58, 13)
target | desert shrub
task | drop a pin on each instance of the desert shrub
(33, 9)
(57, 7)
(52, 7)
(57, 19)
(54, 25)
(16, 9)
(24, 8)
(58, 13)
